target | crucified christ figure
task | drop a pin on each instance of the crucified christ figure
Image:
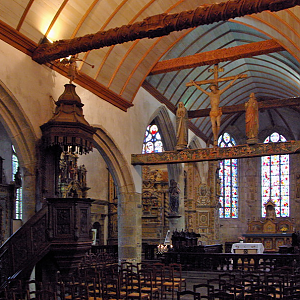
(214, 96)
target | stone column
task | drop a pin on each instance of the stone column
(181, 221)
(29, 194)
(130, 227)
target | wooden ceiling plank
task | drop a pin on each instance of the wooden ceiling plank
(24, 15)
(266, 104)
(158, 25)
(216, 56)
(56, 17)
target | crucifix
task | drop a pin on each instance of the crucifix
(214, 95)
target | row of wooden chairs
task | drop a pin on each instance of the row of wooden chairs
(103, 282)
(280, 284)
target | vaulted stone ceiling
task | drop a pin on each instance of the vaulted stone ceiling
(121, 69)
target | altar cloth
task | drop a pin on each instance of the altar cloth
(247, 248)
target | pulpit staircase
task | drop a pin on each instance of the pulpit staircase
(60, 227)
(20, 253)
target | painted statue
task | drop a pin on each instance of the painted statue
(251, 119)
(181, 127)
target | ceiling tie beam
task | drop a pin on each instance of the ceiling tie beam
(216, 56)
(240, 108)
(157, 26)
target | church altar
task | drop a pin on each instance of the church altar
(271, 231)
(247, 248)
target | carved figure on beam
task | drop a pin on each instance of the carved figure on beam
(181, 127)
(214, 96)
(174, 192)
(252, 120)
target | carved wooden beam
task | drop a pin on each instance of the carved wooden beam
(158, 25)
(216, 153)
(266, 104)
(216, 56)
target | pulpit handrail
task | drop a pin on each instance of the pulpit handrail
(22, 250)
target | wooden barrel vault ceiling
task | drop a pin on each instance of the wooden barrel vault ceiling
(264, 45)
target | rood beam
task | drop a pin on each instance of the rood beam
(216, 56)
(158, 25)
(216, 153)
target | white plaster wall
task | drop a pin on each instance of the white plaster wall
(34, 85)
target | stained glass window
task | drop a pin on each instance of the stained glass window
(152, 142)
(15, 167)
(275, 179)
(228, 174)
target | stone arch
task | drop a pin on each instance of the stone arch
(18, 127)
(281, 130)
(129, 201)
(115, 161)
(162, 118)
(23, 137)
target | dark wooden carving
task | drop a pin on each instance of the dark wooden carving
(63, 218)
(158, 25)
(216, 153)
(62, 227)
(38, 236)
(23, 249)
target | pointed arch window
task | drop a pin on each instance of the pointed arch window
(15, 169)
(152, 142)
(275, 179)
(228, 174)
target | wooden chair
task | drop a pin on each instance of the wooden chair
(222, 295)
(169, 285)
(44, 295)
(111, 288)
(293, 296)
(258, 296)
(267, 290)
(135, 289)
(236, 288)
(219, 284)
(206, 290)
(15, 291)
(148, 284)
(177, 271)
(187, 294)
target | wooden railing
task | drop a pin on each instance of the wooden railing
(230, 261)
(25, 247)
(62, 227)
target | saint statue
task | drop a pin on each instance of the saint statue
(251, 118)
(174, 192)
(181, 127)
